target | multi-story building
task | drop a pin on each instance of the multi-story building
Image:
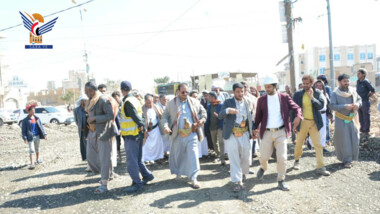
(317, 61)
(77, 79)
(51, 86)
(54, 96)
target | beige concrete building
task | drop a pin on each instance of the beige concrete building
(352, 72)
(224, 80)
(316, 61)
(53, 96)
(77, 79)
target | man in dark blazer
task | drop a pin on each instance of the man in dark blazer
(237, 130)
(311, 101)
(273, 113)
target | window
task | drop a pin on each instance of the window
(350, 56)
(322, 71)
(362, 56)
(370, 55)
(39, 110)
(322, 58)
(336, 57)
(52, 110)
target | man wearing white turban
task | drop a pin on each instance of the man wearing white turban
(80, 120)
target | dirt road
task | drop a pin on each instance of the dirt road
(61, 185)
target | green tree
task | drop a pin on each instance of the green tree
(112, 85)
(67, 97)
(162, 80)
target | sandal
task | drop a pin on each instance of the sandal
(113, 176)
(348, 165)
(196, 185)
(238, 188)
(101, 189)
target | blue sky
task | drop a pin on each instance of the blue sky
(125, 41)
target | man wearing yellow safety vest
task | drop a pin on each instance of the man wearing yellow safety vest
(181, 121)
(132, 130)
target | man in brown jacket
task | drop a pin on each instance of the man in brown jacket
(181, 120)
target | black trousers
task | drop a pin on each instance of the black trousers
(209, 140)
(118, 141)
(83, 146)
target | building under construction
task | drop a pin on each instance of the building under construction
(224, 80)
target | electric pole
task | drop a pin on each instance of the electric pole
(332, 72)
(289, 25)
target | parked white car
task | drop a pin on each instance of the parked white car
(7, 117)
(48, 114)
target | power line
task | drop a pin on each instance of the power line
(169, 25)
(60, 11)
(249, 56)
(147, 32)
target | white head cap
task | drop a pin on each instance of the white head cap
(82, 97)
(270, 79)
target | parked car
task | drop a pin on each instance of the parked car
(48, 114)
(7, 117)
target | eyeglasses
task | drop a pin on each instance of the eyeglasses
(184, 92)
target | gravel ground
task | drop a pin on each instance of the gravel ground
(61, 185)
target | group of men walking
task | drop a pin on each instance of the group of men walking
(151, 129)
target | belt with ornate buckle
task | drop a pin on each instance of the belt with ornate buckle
(184, 132)
(238, 132)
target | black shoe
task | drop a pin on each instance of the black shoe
(282, 186)
(134, 188)
(325, 151)
(260, 174)
(251, 172)
(308, 145)
(146, 179)
(296, 165)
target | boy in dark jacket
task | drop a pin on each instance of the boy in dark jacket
(32, 132)
(215, 126)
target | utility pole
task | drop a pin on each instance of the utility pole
(332, 72)
(85, 56)
(289, 25)
(1, 89)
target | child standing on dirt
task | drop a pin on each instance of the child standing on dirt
(32, 132)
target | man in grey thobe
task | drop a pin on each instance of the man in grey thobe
(180, 120)
(101, 131)
(80, 119)
(346, 102)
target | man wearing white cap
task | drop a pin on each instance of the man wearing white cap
(221, 95)
(272, 114)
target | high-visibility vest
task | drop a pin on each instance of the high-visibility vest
(127, 125)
